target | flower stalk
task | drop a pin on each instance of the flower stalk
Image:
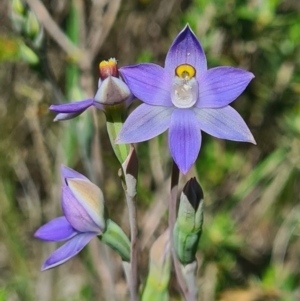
(114, 121)
(116, 239)
(172, 220)
(130, 171)
(189, 272)
(156, 287)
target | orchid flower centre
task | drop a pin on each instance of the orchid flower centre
(184, 87)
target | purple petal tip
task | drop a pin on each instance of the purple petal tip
(186, 49)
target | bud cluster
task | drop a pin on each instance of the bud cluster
(26, 23)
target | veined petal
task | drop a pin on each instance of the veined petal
(220, 86)
(68, 250)
(67, 172)
(149, 82)
(184, 138)
(144, 123)
(56, 230)
(90, 198)
(224, 123)
(75, 213)
(186, 49)
(72, 107)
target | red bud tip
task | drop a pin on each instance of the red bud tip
(108, 68)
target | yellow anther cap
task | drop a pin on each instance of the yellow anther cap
(108, 68)
(185, 71)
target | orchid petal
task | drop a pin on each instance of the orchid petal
(67, 172)
(72, 107)
(224, 123)
(144, 123)
(90, 198)
(184, 138)
(68, 250)
(149, 82)
(220, 86)
(66, 116)
(56, 230)
(76, 215)
(186, 49)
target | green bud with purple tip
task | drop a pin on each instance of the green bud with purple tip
(188, 226)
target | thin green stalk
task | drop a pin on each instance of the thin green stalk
(114, 122)
(130, 170)
(172, 220)
(131, 203)
(127, 157)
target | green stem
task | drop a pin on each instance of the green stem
(115, 116)
(116, 239)
(172, 220)
(134, 249)
(114, 122)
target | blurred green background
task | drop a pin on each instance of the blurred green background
(250, 247)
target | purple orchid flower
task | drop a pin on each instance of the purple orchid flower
(185, 98)
(84, 218)
(111, 90)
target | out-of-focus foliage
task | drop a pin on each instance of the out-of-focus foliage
(249, 249)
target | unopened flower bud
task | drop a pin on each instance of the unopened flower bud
(188, 226)
(193, 193)
(17, 11)
(18, 6)
(84, 217)
(32, 24)
(90, 203)
(33, 29)
(27, 54)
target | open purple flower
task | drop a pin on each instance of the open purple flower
(185, 98)
(111, 90)
(84, 218)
